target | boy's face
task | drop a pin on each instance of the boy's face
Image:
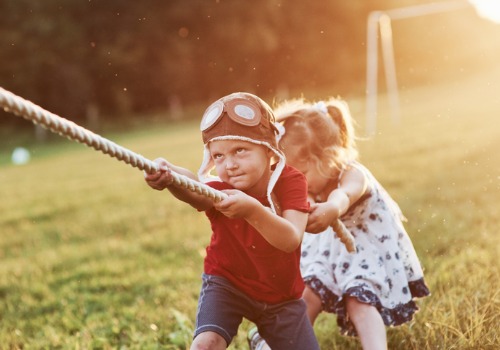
(242, 164)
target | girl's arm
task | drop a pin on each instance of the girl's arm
(163, 179)
(284, 233)
(351, 187)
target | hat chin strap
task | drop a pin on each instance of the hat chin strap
(208, 164)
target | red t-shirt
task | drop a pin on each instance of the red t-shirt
(239, 253)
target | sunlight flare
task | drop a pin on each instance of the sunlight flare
(489, 9)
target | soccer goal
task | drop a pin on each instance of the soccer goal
(380, 22)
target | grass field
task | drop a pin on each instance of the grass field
(91, 258)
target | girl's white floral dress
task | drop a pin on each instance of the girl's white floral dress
(384, 272)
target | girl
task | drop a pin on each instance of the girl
(376, 285)
(251, 269)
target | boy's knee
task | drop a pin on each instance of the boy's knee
(208, 341)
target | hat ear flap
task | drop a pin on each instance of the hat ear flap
(206, 167)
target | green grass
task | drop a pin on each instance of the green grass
(91, 258)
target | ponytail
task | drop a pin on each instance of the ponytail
(338, 110)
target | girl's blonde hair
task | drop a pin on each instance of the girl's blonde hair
(324, 131)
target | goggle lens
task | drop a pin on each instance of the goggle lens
(244, 112)
(240, 110)
(211, 115)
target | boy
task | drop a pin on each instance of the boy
(251, 268)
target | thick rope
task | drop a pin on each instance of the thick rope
(30, 111)
(344, 235)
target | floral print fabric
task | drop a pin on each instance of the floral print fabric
(384, 272)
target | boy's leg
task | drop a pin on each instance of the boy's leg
(209, 340)
(286, 326)
(220, 312)
(314, 308)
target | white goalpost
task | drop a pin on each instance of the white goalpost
(380, 21)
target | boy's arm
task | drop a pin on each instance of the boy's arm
(163, 179)
(284, 233)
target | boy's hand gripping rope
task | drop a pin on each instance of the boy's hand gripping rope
(30, 111)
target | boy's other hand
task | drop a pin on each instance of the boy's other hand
(162, 178)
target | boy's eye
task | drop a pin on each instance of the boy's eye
(240, 150)
(216, 156)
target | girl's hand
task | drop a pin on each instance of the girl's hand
(321, 216)
(236, 205)
(162, 178)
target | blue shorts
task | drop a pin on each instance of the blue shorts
(222, 307)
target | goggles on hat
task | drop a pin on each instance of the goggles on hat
(240, 110)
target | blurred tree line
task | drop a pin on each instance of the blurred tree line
(73, 57)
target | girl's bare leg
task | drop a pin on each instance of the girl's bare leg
(369, 324)
(313, 303)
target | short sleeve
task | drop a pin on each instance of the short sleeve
(291, 190)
